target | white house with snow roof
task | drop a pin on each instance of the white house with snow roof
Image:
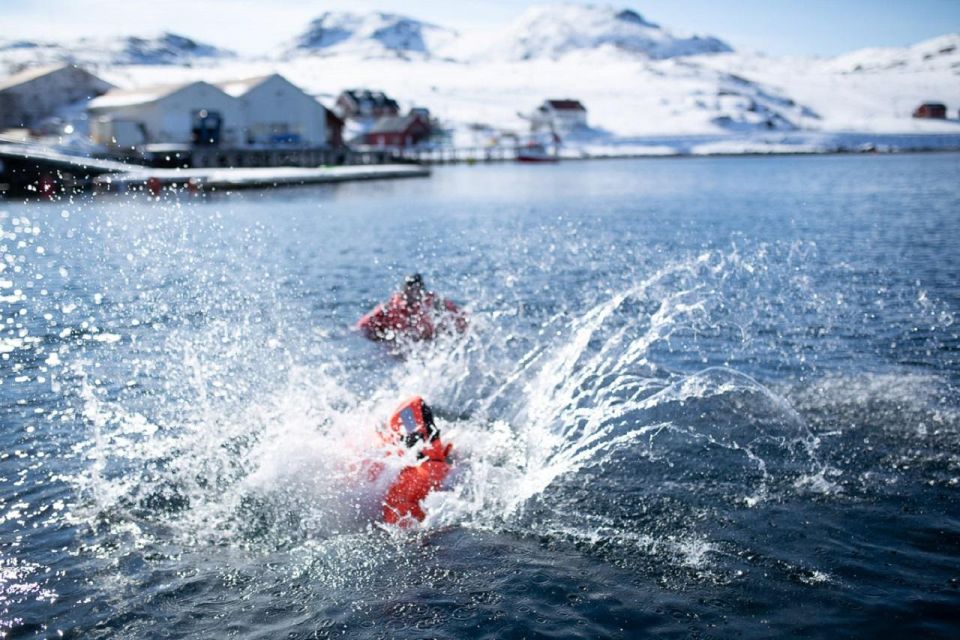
(36, 93)
(266, 111)
(276, 111)
(186, 113)
(559, 116)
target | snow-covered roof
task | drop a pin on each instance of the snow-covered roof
(240, 86)
(140, 95)
(32, 74)
(374, 98)
(28, 74)
(566, 105)
(147, 94)
(395, 124)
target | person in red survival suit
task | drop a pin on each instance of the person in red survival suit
(410, 426)
(414, 313)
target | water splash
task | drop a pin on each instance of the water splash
(226, 459)
(612, 417)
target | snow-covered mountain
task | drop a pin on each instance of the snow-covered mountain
(163, 49)
(942, 53)
(167, 48)
(555, 30)
(370, 35)
(636, 79)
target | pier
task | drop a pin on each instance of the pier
(33, 171)
(30, 169)
(457, 155)
(220, 180)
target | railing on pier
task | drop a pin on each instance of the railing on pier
(363, 155)
(454, 155)
(202, 157)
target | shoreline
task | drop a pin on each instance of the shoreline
(700, 145)
(762, 154)
(235, 178)
(72, 174)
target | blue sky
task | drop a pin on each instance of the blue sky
(778, 27)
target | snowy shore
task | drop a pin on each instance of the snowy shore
(648, 90)
(252, 178)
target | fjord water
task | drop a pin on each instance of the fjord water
(698, 398)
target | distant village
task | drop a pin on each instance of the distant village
(64, 129)
(246, 122)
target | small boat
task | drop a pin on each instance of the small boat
(535, 152)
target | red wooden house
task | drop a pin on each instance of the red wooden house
(932, 110)
(398, 131)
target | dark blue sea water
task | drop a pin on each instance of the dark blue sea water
(698, 398)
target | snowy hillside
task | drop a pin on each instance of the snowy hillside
(373, 35)
(163, 49)
(625, 97)
(867, 91)
(555, 30)
(941, 53)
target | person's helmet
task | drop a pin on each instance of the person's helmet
(413, 280)
(413, 422)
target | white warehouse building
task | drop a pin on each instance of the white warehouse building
(276, 111)
(266, 111)
(36, 93)
(178, 113)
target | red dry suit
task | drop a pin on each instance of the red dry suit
(412, 424)
(421, 320)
